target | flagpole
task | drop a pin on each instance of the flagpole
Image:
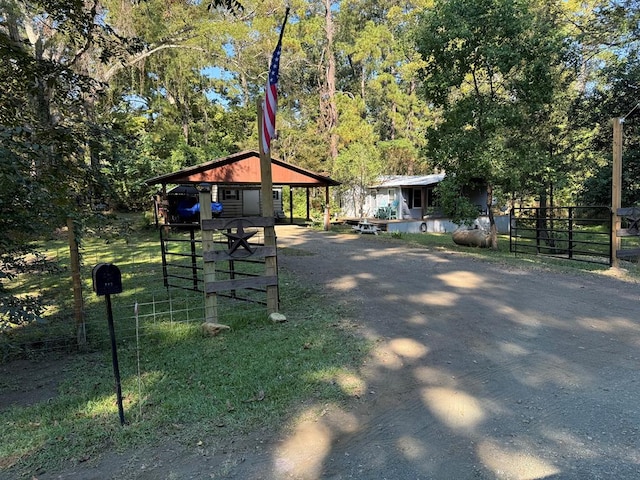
(286, 15)
(265, 156)
(266, 193)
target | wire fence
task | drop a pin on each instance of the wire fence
(145, 304)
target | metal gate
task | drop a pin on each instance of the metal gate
(182, 256)
(183, 264)
(574, 233)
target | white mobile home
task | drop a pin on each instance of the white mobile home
(403, 197)
(411, 197)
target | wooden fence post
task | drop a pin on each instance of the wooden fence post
(78, 301)
(266, 179)
(210, 299)
(616, 189)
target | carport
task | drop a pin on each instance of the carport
(242, 170)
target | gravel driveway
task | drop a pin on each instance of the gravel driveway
(480, 370)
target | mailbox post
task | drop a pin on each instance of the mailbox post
(107, 280)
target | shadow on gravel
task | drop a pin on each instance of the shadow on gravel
(479, 370)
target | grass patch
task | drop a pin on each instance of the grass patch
(189, 386)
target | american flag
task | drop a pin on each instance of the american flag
(270, 103)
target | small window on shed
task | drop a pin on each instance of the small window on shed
(230, 194)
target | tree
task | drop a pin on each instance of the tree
(55, 59)
(491, 67)
(614, 96)
(359, 162)
(357, 167)
(163, 106)
(42, 123)
(328, 108)
(379, 63)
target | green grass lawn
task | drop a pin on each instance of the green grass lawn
(443, 241)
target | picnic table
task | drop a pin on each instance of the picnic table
(366, 227)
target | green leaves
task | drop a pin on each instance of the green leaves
(495, 67)
(452, 200)
(231, 5)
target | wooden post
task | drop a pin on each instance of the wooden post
(327, 213)
(266, 189)
(211, 299)
(266, 179)
(291, 205)
(164, 206)
(78, 302)
(616, 189)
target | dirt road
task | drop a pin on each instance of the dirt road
(479, 371)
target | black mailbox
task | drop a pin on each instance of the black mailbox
(106, 279)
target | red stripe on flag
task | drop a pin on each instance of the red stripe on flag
(269, 118)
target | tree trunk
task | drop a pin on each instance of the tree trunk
(493, 230)
(542, 222)
(329, 95)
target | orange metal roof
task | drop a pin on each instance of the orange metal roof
(244, 168)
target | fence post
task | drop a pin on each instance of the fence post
(511, 233)
(612, 251)
(266, 192)
(210, 300)
(538, 229)
(570, 232)
(616, 189)
(78, 301)
(194, 259)
(163, 248)
(513, 229)
(271, 269)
